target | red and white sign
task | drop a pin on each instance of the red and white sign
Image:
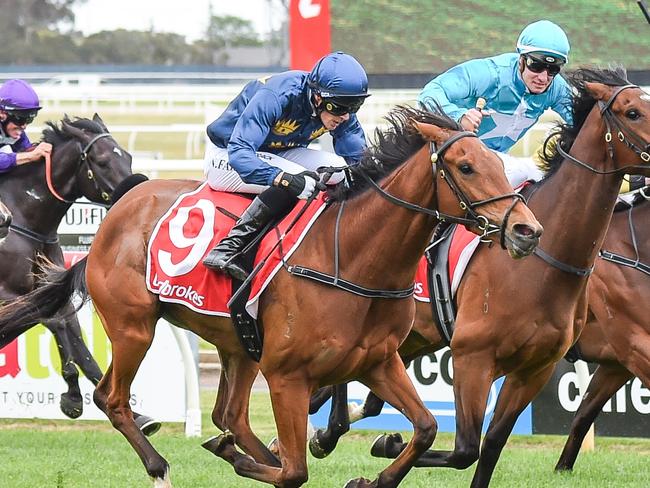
(309, 32)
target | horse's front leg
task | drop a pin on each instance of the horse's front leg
(606, 381)
(290, 400)
(471, 389)
(390, 381)
(231, 411)
(323, 442)
(517, 392)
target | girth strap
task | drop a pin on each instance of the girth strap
(35, 236)
(623, 261)
(349, 286)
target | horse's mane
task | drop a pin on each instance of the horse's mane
(57, 134)
(582, 103)
(390, 149)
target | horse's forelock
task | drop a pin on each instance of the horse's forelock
(58, 133)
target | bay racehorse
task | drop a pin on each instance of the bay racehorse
(520, 323)
(314, 334)
(617, 333)
(86, 161)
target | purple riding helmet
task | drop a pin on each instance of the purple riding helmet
(19, 100)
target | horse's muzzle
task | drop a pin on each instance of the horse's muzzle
(522, 240)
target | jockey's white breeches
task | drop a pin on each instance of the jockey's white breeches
(222, 177)
(519, 169)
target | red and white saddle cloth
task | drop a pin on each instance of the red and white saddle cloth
(463, 245)
(186, 233)
(462, 248)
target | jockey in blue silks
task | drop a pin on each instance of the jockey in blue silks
(259, 144)
(518, 88)
(19, 106)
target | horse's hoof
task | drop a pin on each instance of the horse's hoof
(147, 425)
(274, 447)
(359, 483)
(382, 445)
(71, 406)
(315, 448)
(216, 444)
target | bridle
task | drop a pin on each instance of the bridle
(472, 217)
(624, 135)
(83, 160)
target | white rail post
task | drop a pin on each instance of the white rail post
(582, 371)
(192, 398)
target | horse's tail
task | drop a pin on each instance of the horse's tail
(52, 294)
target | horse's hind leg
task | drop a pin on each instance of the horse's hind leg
(231, 408)
(131, 337)
(516, 392)
(80, 353)
(319, 398)
(606, 381)
(71, 401)
(390, 382)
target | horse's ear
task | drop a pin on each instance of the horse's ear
(72, 130)
(598, 90)
(430, 132)
(98, 119)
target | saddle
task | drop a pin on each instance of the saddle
(442, 303)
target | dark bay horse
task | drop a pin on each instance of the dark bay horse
(617, 333)
(522, 339)
(85, 161)
(308, 342)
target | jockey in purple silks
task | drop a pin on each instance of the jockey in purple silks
(19, 106)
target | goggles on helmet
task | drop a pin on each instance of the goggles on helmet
(342, 105)
(541, 62)
(21, 117)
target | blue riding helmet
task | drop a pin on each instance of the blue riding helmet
(546, 39)
(18, 96)
(341, 80)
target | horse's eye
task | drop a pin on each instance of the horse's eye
(466, 169)
(632, 114)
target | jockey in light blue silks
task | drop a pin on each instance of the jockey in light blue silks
(259, 144)
(518, 88)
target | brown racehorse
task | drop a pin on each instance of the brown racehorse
(308, 342)
(519, 324)
(617, 333)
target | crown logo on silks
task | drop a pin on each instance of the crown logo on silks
(285, 127)
(317, 133)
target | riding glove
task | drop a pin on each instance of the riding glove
(301, 185)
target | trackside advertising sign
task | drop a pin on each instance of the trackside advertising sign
(624, 415)
(30, 367)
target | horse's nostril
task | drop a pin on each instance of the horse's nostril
(526, 231)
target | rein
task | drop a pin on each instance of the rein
(625, 261)
(624, 135)
(34, 236)
(473, 218)
(83, 158)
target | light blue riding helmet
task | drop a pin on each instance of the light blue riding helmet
(546, 38)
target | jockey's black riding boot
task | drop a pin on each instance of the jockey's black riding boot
(272, 203)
